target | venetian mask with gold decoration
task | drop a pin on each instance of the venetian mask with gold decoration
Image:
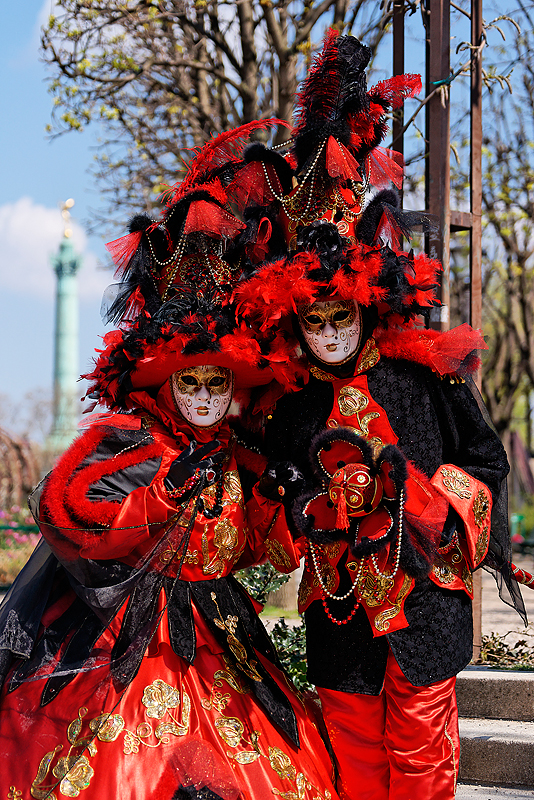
(203, 394)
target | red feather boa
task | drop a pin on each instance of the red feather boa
(446, 352)
(64, 502)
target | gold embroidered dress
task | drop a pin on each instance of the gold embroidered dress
(139, 683)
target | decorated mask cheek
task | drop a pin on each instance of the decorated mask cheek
(203, 394)
(331, 329)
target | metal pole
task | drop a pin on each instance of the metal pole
(475, 249)
(437, 178)
(398, 69)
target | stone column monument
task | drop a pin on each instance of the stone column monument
(66, 372)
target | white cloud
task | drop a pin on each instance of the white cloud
(30, 235)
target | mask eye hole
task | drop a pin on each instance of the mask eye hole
(189, 380)
(342, 315)
(216, 381)
(313, 319)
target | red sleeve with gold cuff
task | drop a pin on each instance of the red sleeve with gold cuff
(472, 501)
(269, 535)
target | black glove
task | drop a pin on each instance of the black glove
(191, 460)
(281, 482)
(453, 524)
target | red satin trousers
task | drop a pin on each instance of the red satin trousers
(400, 745)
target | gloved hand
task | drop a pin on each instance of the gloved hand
(194, 461)
(281, 482)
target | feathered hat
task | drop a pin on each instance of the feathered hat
(186, 331)
(336, 247)
(199, 243)
(335, 149)
(176, 275)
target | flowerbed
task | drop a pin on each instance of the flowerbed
(19, 536)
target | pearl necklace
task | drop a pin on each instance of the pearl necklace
(398, 549)
(326, 593)
(283, 198)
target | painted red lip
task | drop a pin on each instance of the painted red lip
(202, 411)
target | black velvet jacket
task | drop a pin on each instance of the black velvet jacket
(437, 422)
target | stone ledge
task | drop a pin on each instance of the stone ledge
(497, 752)
(496, 694)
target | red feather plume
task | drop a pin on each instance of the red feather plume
(122, 250)
(320, 93)
(226, 148)
(385, 167)
(209, 218)
(394, 91)
(339, 162)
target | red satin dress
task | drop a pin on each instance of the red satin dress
(177, 730)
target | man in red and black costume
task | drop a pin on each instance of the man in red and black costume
(403, 471)
(404, 474)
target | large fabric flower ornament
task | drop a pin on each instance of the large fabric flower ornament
(356, 497)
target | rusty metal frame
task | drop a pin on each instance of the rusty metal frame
(437, 173)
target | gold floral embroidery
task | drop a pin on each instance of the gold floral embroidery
(456, 482)
(14, 793)
(328, 575)
(238, 650)
(481, 545)
(36, 790)
(373, 588)
(225, 539)
(467, 578)
(453, 755)
(332, 550)
(281, 763)
(232, 484)
(232, 488)
(305, 590)
(216, 700)
(352, 402)
(107, 727)
(369, 357)
(444, 573)
(74, 770)
(321, 375)
(382, 620)
(480, 508)
(76, 773)
(230, 730)
(159, 697)
(231, 676)
(277, 555)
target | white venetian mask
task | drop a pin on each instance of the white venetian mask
(331, 329)
(203, 394)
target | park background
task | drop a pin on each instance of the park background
(111, 131)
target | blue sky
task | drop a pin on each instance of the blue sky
(36, 175)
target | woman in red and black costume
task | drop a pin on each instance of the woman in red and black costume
(133, 664)
(405, 476)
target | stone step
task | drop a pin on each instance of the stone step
(499, 752)
(472, 791)
(495, 694)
